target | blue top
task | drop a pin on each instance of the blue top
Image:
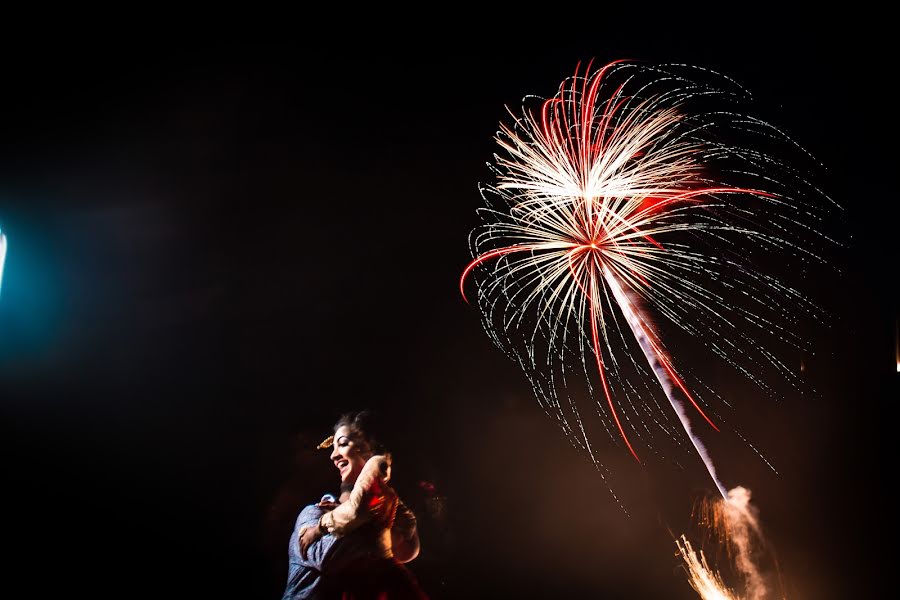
(328, 554)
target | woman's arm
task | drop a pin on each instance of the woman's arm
(356, 510)
(405, 534)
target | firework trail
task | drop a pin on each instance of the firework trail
(667, 379)
(641, 190)
(2, 257)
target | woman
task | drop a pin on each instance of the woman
(354, 549)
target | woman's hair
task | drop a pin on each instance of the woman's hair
(367, 427)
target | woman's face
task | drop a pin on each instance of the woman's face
(350, 454)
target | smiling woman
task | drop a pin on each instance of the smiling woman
(354, 548)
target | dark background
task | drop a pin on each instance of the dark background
(217, 245)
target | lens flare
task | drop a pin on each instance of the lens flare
(2, 258)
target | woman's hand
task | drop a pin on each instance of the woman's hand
(308, 537)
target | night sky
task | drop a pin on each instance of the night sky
(217, 246)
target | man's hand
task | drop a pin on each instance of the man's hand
(308, 536)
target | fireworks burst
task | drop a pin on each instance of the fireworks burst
(630, 210)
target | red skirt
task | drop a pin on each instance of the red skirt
(379, 579)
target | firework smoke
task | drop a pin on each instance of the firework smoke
(740, 520)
